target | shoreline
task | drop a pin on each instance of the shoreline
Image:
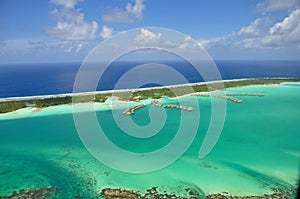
(111, 103)
(212, 192)
(138, 89)
(111, 193)
(153, 192)
(13, 104)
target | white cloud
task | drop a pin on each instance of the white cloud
(28, 50)
(188, 38)
(137, 9)
(130, 14)
(148, 37)
(81, 45)
(71, 27)
(273, 5)
(66, 3)
(261, 33)
(117, 16)
(258, 27)
(106, 32)
(286, 32)
(187, 42)
(207, 43)
(14, 45)
(69, 46)
(24, 47)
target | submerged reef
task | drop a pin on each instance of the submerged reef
(118, 193)
(42, 193)
(152, 193)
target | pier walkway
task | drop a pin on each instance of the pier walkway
(184, 108)
(228, 96)
(133, 109)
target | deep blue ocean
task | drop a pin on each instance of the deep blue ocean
(17, 80)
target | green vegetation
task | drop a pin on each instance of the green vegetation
(46, 102)
(258, 82)
(9, 106)
(102, 97)
(134, 95)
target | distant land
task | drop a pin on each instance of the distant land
(13, 104)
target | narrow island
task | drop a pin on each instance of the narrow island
(152, 193)
(13, 104)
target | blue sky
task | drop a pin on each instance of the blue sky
(66, 30)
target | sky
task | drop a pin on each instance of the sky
(39, 31)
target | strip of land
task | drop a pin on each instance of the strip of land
(109, 193)
(13, 104)
(152, 193)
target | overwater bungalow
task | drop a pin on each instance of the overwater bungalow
(133, 109)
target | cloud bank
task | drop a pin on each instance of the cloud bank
(106, 32)
(71, 27)
(263, 33)
(130, 14)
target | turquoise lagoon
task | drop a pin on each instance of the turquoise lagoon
(259, 149)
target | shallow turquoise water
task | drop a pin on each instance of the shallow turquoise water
(259, 149)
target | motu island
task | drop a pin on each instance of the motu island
(12, 104)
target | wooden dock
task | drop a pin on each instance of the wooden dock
(229, 96)
(184, 108)
(131, 110)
